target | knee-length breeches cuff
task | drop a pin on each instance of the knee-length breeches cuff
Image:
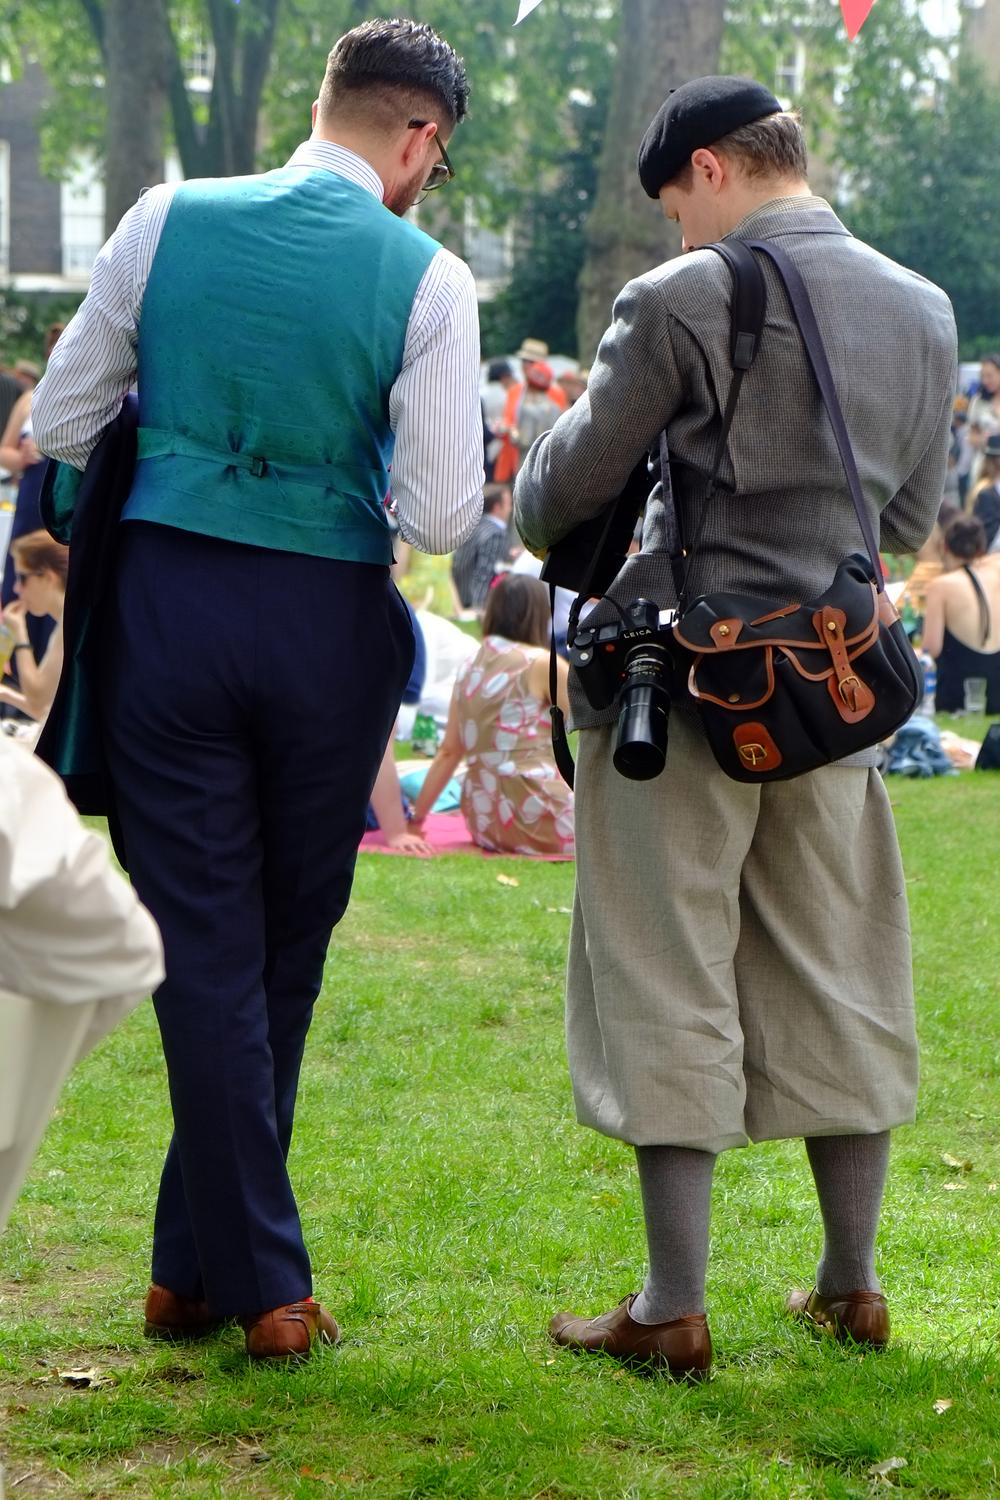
(739, 959)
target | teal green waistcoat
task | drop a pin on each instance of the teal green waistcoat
(271, 332)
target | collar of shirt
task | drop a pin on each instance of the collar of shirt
(334, 158)
(500, 525)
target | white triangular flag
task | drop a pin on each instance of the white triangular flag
(525, 8)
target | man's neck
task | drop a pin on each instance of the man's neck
(359, 144)
(750, 199)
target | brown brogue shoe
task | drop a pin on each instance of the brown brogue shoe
(175, 1318)
(289, 1332)
(861, 1317)
(683, 1346)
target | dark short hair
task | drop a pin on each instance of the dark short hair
(498, 369)
(772, 147)
(37, 550)
(965, 538)
(518, 609)
(492, 495)
(390, 69)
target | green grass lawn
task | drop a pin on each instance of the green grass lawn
(452, 1205)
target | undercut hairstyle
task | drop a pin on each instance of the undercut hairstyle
(386, 73)
(518, 609)
(493, 494)
(772, 147)
(37, 552)
(965, 538)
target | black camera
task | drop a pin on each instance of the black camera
(631, 661)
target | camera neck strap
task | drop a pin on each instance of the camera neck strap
(560, 744)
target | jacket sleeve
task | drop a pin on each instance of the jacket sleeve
(908, 519)
(635, 388)
(71, 929)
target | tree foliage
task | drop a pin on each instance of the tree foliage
(924, 191)
(542, 297)
(899, 126)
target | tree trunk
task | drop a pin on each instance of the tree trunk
(662, 44)
(243, 41)
(136, 73)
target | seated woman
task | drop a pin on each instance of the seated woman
(513, 799)
(962, 621)
(984, 499)
(40, 566)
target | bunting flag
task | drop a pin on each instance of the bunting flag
(855, 13)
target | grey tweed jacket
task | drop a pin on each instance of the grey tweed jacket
(786, 521)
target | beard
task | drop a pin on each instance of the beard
(405, 195)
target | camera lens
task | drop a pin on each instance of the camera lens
(644, 707)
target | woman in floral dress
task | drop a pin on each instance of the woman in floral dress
(513, 799)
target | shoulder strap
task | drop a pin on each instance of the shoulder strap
(984, 608)
(748, 309)
(808, 327)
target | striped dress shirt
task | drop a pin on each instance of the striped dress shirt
(434, 408)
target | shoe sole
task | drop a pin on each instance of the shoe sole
(168, 1334)
(834, 1331)
(297, 1355)
(644, 1364)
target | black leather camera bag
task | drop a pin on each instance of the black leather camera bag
(785, 688)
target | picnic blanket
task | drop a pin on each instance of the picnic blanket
(447, 834)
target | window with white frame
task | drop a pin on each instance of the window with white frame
(82, 215)
(199, 67)
(790, 74)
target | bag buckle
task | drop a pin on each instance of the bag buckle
(258, 467)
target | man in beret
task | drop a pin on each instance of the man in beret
(739, 962)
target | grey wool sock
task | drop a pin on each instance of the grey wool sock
(676, 1187)
(850, 1173)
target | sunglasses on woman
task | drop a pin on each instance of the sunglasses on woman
(442, 171)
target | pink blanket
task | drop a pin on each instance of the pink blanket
(447, 833)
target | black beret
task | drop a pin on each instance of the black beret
(698, 114)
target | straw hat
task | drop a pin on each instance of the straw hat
(533, 349)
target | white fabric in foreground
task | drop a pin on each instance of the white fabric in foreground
(71, 929)
(77, 953)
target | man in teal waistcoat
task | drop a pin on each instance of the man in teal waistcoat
(294, 338)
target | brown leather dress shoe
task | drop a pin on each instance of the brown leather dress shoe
(683, 1346)
(861, 1317)
(289, 1332)
(175, 1318)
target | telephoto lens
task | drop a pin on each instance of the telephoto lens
(644, 707)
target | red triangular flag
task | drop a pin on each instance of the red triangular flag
(855, 14)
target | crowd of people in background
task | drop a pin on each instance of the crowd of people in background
(465, 696)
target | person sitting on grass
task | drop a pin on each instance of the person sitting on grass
(513, 798)
(40, 566)
(962, 621)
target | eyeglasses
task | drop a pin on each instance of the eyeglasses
(22, 578)
(442, 171)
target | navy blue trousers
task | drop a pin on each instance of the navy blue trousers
(247, 700)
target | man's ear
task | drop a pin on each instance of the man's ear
(315, 112)
(416, 141)
(710, 168)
